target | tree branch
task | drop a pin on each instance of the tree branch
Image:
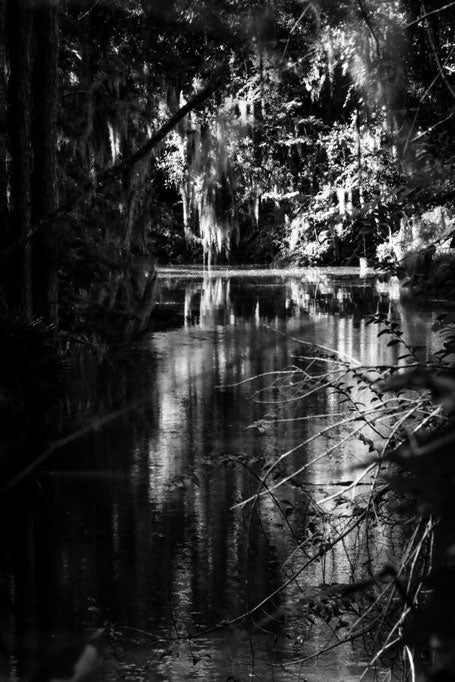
(369, 24)
(109, 174)
(428, 14)
(436, 56)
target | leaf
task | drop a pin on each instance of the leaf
(261, 426)
(394, 342)
(342, 624)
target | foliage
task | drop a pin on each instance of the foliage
(328, 132)
(403, 415)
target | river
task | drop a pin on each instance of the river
(134, 527)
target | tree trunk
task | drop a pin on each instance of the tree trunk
(3, 166)
(19, 33)
(44, 139)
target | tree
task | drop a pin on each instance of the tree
(44, 143)
(19, 34)
(3, 95)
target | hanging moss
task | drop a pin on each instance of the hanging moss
(208, 184)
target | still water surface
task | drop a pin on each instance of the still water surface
(132, 527)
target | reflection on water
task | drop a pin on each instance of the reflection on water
(133, 527)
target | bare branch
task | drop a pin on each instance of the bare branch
(428, 14)
(436, 57)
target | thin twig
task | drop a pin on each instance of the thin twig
(305, 466)
(411, 662)
(95, 424)
(428, 14)
(436, 57)
(90, 9)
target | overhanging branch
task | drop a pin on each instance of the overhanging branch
(428, 14)
(109, 174)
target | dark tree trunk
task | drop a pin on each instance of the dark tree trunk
(3, 166)
(44, 139)
(19, 33)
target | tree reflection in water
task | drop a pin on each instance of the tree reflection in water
(133, 526)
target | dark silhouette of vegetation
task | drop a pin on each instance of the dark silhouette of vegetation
(282, 132)
(404, 415)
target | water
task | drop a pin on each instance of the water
(134, 527)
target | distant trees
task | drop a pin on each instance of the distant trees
(355, 132)
(329, 122)
(329, 133)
